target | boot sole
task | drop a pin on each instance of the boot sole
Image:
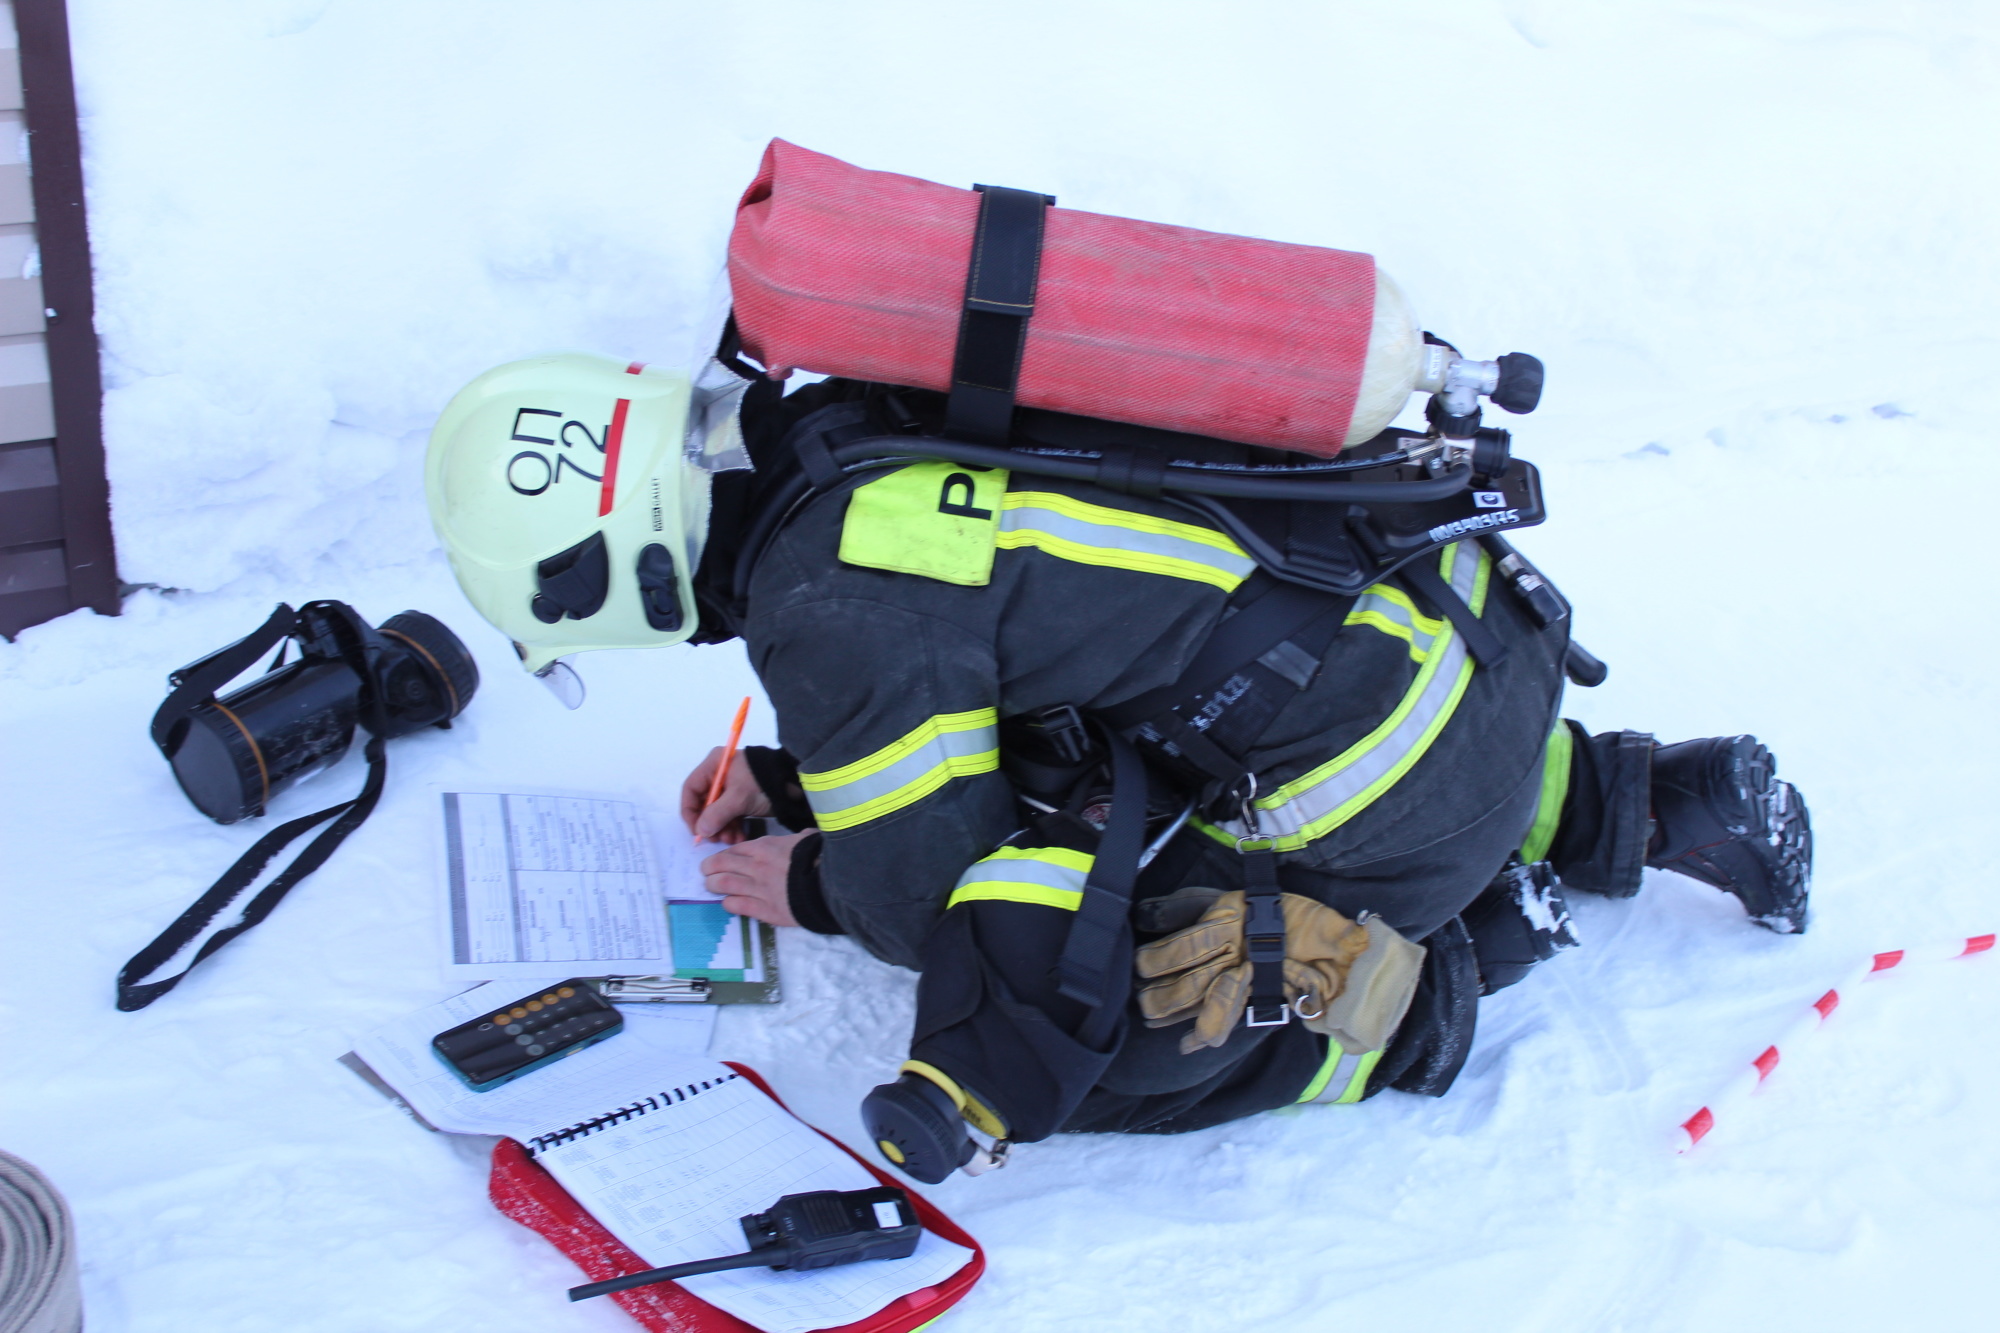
(1786, 827)
(1745, 771)
(1748, 800)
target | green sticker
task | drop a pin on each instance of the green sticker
(934, 519)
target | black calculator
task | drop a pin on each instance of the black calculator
(509, 1040)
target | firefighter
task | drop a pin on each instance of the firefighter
(974, 673)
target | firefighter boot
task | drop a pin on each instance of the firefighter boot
(1721, 816)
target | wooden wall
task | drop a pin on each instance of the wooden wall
(55, 522)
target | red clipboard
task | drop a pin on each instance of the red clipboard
(524, 1191)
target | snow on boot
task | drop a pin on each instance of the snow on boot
(1722, 817)
(1518, 920)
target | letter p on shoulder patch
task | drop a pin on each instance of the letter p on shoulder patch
(936, 519)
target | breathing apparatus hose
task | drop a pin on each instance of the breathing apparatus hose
(1311, 481)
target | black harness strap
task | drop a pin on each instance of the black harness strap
(1264, 938)
(1000, 286)
(136, 994)
(201, 680)
(1275, 614)
(1279, 613)
(1093, 969)
(1286, 614)
(1480, 640)
(197, 682)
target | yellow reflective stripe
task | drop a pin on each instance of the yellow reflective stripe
(1555, 786)
(950, 745)
(1066, 899)
(1343, 1079)
(1321, 800)
(1042, 876)
(1088, 534)
(1392, 611)
(1055, 856)
(1404, 707)
(896, 750)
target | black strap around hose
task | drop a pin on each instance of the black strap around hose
(1093, 969)
(1000, 286)
(136, 994)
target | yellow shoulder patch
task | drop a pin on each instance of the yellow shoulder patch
(935, 519)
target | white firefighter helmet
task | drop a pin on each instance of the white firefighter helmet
(572, 498)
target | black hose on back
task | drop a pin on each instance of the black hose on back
(1249, 482)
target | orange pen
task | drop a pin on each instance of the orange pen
(721, 777)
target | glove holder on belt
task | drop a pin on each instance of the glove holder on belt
(1263, 937)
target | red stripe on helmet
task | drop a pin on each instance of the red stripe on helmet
(612, 439)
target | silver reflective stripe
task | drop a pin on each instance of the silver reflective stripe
(1045, 876)
(1342, 1075)
(1392, 612)
(905, 771)
(1322, 800)
(1072, 529)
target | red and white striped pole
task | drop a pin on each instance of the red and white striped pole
(1696, 1127)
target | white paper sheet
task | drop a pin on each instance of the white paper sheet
(541, 885)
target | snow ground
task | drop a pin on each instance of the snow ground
(1753, 240)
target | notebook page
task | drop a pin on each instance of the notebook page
(673, 1182)
(661, 1045)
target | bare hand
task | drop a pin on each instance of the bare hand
(741, 796)
(752, 876)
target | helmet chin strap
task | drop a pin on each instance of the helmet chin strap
(563, 683)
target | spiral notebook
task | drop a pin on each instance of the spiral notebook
(667, 1149)
(671, 1172)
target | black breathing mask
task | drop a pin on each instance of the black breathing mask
(233, 752)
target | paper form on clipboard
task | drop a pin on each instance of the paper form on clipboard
(542, 883)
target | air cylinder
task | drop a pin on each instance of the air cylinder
(845, 271)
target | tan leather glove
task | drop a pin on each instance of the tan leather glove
(1202, 973)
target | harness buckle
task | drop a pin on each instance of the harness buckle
(1251, 1020)
(1062, 729)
